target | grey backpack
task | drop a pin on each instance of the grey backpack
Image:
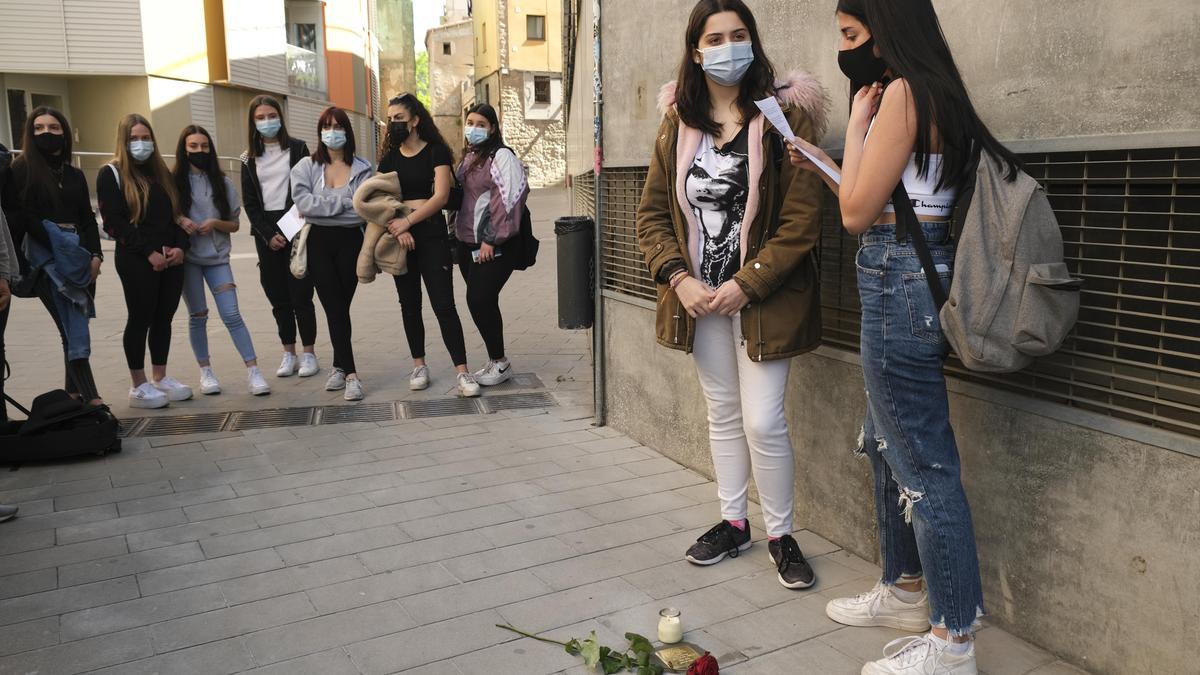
(1011, 297)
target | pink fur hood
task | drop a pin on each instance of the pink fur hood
(800, 89)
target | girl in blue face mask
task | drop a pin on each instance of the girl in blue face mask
(728, 228)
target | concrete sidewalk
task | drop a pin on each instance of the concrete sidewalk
(396, 546)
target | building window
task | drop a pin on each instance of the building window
(487, 94)
(483, 35)
(446, 48)
(535, 27)
(17, 112)
(304, 36)
(541, 89)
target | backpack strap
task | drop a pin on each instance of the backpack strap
(908, 226)
(116, 174)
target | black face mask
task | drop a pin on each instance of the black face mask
(49, 144)
(198, 159)
(397, 133)
(861, 65)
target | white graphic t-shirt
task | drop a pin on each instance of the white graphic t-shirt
(716, 187)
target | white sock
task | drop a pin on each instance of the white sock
(955, 648)
(908, 597)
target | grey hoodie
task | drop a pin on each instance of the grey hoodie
(331, 207)
(212, 248)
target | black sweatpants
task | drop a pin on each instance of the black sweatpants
(291, 298)
(484, 283)
(332, 259)
(151, 299)
(3, 366)
(433, 261)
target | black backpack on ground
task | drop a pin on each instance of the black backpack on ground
(58, 426)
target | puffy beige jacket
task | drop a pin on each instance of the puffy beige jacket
(377, 201)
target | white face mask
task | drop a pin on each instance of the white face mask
(727, 64)
(333, 139)
(141, 150)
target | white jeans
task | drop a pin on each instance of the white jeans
(746, 424)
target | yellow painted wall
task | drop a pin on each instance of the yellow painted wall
(99, 102)
(539, 55)
(176, 41)
(487, 60)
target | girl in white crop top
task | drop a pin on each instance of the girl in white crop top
(927, 199)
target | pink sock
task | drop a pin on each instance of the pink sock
(772, 538)
(739, 524)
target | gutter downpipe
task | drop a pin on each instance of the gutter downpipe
(598, 356)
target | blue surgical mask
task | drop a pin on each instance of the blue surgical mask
(269, 128)
(727, 64)
(333, 139)
(141, 150)
(476, 135)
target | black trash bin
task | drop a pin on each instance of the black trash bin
(576, 303)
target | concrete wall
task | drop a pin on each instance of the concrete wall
(580, 140)
(1036, 70)
(1087, 541)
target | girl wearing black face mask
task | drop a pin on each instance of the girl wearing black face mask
(211, 207)
(46, 190)
(417, 153)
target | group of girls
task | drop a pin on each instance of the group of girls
(173, 230)
(728, 223)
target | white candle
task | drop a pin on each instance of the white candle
(670, 630)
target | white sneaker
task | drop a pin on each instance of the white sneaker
(880, 607)
(494, 373)
(308, 365)
(922, 655)
(336, 381)
(354, 390)
(209, 384)
(287, 367)
(419, 379)
(467, 386)
(146, 396)
(174, 389)
(258, 385)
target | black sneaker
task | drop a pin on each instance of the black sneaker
(794, 570)
(723, 540)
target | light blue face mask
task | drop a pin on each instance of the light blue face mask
(269, 127)
(141, 150)
(476, 135)
(727, 64)
(333, 139)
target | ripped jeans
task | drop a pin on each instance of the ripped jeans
(923, 517)
(219, 279)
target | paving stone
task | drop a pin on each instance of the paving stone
(52, 603)
(815, 657)
(332, 662)
(28, 541)
(510, 558)
(380, 587)
(265, 537)
(861, 644)
(23, 637)
(1000, 653)
(62, 555)
(130, 563)
(117, 526)
(326, 632)
(698, 609)
(574, 605)
(604, 564)
(460, 521)
(427, 644)
(1057, 668)
(222, 477)
(231, 622)
(208, 571)
(26, 583)
(50, 521)
(140, 541)
(776, 627)
(216, 658)
(452, 548)
(50, 490)
(312, 510)
(619, 534)
(585, 478)
(384, 515)
(461, 599)
(233, 507)
(342, 544)
(292, 579)
(175, 500)
(114, 495)
(140, 612)
(636, 507)
(498, 494)
(529, 529)
(82, 656)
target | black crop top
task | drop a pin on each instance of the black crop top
(416, 172)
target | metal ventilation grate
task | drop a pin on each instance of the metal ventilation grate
(131, 427)
(539, 399)
(362, 412)
(441, 407)
(184, 424)
(271, 419)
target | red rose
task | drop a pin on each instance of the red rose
(705, 665)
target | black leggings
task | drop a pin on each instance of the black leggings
(151, 299)
(78, 379)
(433, 261)
(484, 283)
(3, 368)
(291, 298)
(332, 261)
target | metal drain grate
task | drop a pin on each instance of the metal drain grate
(131, 427)
(540, 399)
(362, 412)
(184, 424)
(441, 407)
(270, 419)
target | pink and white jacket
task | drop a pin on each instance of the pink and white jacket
(494, 195)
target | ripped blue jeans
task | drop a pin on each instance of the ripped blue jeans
(923, 516)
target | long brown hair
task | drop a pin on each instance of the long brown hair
(216, 177)
(134, 184)
(38, 176)
(255, 142)
(495, 139)
(330, 115)
(691, 95)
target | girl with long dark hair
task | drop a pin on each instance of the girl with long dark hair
(210, 202)
(911, 120)
(728, 228)
(417, 153)
(494, 193)
(270, 155)
(141, 211)
(47, 197)
(323, 187)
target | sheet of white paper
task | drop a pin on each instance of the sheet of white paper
(291, 222)
(774, 114)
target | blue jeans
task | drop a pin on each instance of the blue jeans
(219, 278)
(923, 516)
